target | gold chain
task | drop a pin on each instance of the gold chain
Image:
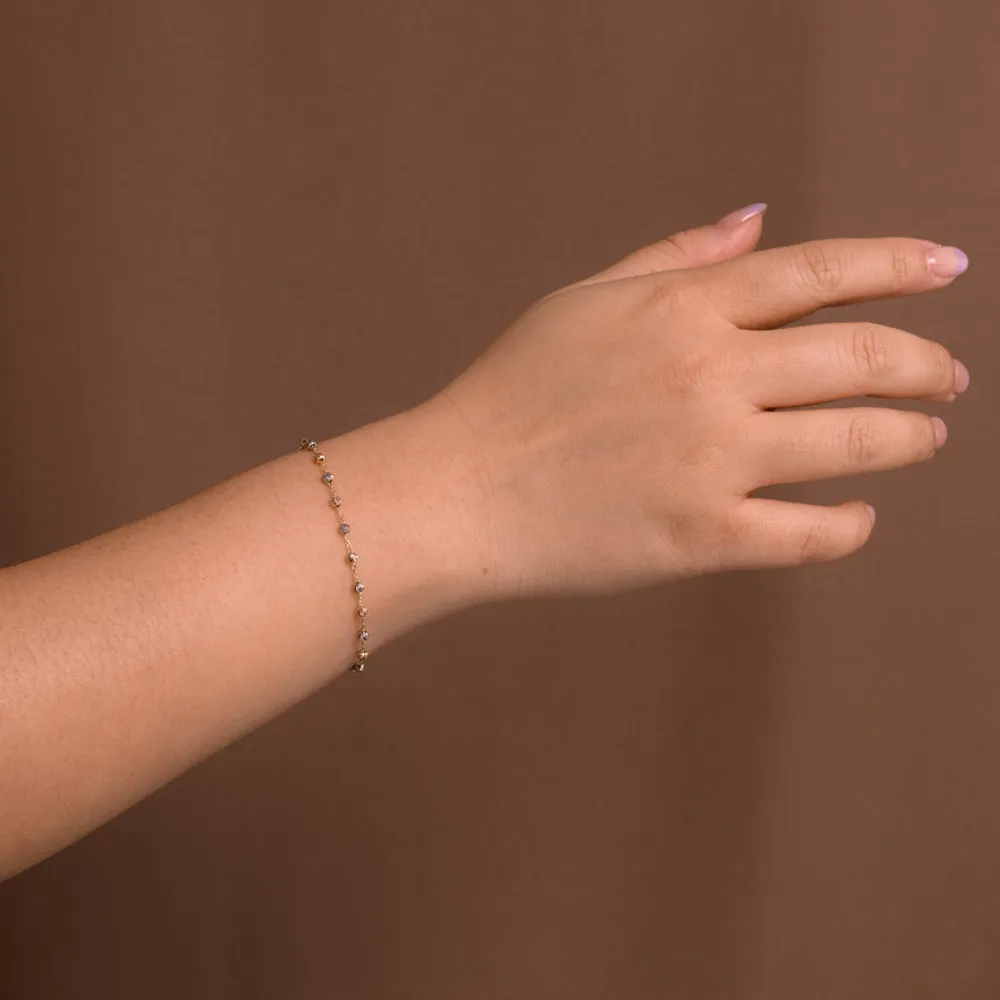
(352, 557)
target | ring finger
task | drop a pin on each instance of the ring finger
(804, 445)
(800, 366)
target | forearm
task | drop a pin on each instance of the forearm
(126, 659)
(614, 437)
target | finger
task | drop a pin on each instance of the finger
(734, 234)
(774, 533)
(774, 287)
(817, 364)
(803, 445)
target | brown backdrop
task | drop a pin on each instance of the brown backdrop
(224, 225)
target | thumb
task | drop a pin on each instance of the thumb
(733, 235)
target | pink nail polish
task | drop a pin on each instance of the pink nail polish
(742, 215)
(947, 262)
(871, 512)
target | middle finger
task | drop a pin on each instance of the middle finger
(800, 366)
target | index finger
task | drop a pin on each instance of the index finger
(773, 287)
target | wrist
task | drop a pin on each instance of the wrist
(417, 514)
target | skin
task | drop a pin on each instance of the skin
(644, 404)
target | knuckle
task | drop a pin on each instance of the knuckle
(822, 267)
(664, 289)
(674, 294)
(689, 535)
(905, 266)
(732, 529)
(720, 535)
(694, 370)
(942, 368)
(832, 538)
(869, 351)
(925, 439)
(675, 249)
(860, 443)
(701, 461)
(814, 543)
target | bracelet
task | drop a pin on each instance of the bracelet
(352, 557)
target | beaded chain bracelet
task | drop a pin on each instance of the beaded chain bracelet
(352, 557)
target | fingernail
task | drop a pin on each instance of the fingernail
(947, 262)
(961, 377)
(940, 431)
(871, 512)
(742, 215)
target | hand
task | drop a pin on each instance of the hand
(620, 427)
